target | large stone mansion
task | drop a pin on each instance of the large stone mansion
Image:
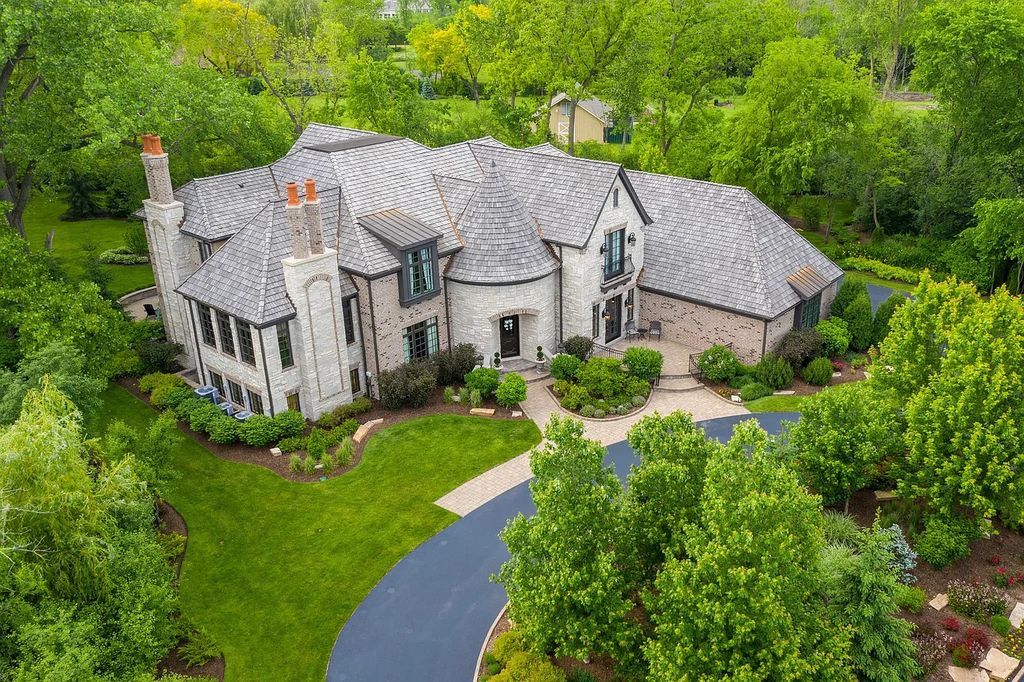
(294, 285)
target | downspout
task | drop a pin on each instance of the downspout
(764, 339)
(447, 317)
(561, 295)
(362, 344)
(195, 338)
(266, 372)
(373, 326)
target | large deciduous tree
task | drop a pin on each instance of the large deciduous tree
(385, 98)
(804, 102)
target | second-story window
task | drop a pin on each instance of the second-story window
(421, 272)
(205, 251)
(566, 108)
(227, 339)
(350, 326)
(614, 253)
(206, 325)
(245, 346)
(284, 345)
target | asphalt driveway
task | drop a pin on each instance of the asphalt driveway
(427, 618)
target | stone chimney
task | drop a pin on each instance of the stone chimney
(296, 223)
(314, 222)
(158, 174)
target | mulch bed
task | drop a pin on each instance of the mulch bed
(799, 387)
(1007, 544)
(247, 454)
(170, 521)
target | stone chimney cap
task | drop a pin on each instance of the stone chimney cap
(311, 189)
(293, 194)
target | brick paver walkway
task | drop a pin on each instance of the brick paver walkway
(487, 486)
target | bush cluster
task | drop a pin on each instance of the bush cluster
(580, 346)
(454, 364)
(483, 379)
(849, 291)
(643, 363)
(565, 366)
(771, 370)
(755, 390)
(122, 255)
(509, 661)
(512, 390)
(881, 269)
(602, 386)
(835, 335)
(800, 346)
(945, 539)
(818, 372)
(408, 385)
(718, 363)
(359, 405)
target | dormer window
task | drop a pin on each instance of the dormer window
(414, 246)
(419, 265)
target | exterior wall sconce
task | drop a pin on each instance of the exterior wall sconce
(607, 315)
(632, 238)
(602, 249)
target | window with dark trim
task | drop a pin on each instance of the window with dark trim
(218, 383)
(810, 312)
(419, 341)
(206, 325)
(284, 344)
(615, 197)
(227, 339)
(255, 402)
(236, 393)
(350, 326)
(595, 321)
(245, 347)
(614, 253)
(354, 377)
(292, 400)
(205, 251)
(420, 266)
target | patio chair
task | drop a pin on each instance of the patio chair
(631, 331)
(150, 311)
(654, 331)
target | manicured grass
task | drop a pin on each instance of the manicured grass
(871, 278)
(275, 568)
(776, 403)
(43, 214)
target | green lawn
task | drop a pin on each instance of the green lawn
(274, 568)
(43, 214)
(776, 403)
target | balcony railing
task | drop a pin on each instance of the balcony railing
(608, 279)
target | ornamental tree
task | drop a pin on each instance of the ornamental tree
(566, 590)
(965, 427)
(842, 435)
(744, 602)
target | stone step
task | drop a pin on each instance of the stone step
(678, 384)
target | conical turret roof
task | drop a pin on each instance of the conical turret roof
(501, 241)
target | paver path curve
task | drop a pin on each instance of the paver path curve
(427, 618)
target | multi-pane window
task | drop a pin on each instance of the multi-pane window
(629, 304)
(614, 253)
(255, 402)
(810, 312)
(236, 393)
(206, 325)
(595, 321)
(205, 251)
(284, 345)
(420, 340)
(227, 339)
(293, 402)
(354, 377)
(245, 346)
(566, 108)
(218, 383)
(350, 326)
(421, 272)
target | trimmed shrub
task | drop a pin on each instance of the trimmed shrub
(636, 386)
(600, 414)
(587, 411)
(565, 366)
(718, 363)
(945, 539)
(643, 363)
(858, 318)
(773, 371)
(203, 415)
(753, 391)
(259, 431)
(580, 346)
(512, 390)
(910, 598)
(359, 405)
(149, 382)
(456, 363)
(184, 409)
(561, 387)
(527, 665)
(818, 372)
(508, 644)
(289, 423)
(849, 290)
(881, 269)
(168, 395)
(903, 560)
(408, 385)
(800, 346)
(835, 335)
(223, 429)
(740, 380)
(483, 379)
(158, 356)
(576, 398)
(880, 326)
(602, 377)
(292, 444)
(639, 401)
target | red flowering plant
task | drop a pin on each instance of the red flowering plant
(995, 559)
(1004, 578)
(969, 649)
(951, 623)
(838, 365)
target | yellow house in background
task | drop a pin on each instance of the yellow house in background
(593, 121)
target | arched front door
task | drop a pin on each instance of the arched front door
(508, 328)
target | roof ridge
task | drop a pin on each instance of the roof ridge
(762, 286)
(566, 158)
(683, 177)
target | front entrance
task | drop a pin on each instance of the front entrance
(613, 318)
(509, 331)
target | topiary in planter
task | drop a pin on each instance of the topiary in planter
(773, 371)
(818, 372)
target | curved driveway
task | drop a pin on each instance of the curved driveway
(427, 618)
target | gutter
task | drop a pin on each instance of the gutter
(373, 326)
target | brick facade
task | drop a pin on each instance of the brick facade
(699, 326)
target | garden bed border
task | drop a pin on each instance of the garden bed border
(487, 640)
(616, 418)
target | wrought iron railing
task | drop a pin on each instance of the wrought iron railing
(695, 369)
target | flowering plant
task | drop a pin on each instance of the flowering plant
(995, 559)
(1004, 578)
(838, 365)
(951, 623)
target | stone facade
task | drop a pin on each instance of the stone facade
(476, 310)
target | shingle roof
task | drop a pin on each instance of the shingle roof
(502, 242)
(245, 277)
(594, 107)
(720, 245)
(216, 207)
